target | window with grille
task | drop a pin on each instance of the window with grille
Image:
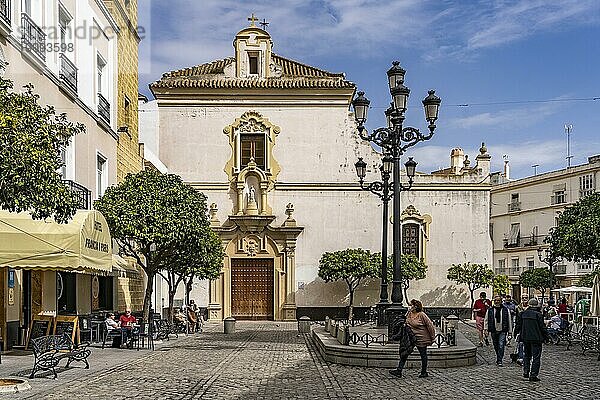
(253, 147)
(410, 239)
(586, 185)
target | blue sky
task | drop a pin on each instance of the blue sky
(538, 58)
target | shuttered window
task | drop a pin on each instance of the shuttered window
(253, 147)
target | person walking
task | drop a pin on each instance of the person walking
(530, 325)
(424, 332)
(520, 347)
(479, 310)
(406, 343)
(498, 323)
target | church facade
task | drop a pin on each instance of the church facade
(272, 143)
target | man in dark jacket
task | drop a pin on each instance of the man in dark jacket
(498, 323)
(406, 339)
(530, 325)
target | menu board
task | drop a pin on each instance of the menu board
(66, 324)
(39, 326)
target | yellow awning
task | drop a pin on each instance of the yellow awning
(84, 244)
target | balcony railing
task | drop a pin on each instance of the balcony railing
(103, 108)
(514, 206)
(33, 37)
(5, 11)
(524, 241)
(68, 72)
(83, 194)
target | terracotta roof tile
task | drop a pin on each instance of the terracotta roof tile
(294, 75)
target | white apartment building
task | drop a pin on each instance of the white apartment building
(524, 210)
(67, 50)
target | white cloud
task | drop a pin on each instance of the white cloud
(199, 31)
(518, 117)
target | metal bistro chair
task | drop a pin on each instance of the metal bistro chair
(106, 333)
(142, 333)
(85, 328)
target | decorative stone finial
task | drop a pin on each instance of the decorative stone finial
(483, 149)
(214, 220)
(289, 210)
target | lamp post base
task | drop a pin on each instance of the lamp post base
(381, 315)
(392, 313)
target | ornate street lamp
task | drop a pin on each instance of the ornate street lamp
(384, 191)
(394, 140)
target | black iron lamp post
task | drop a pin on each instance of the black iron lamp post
(394, 141)
(384, 191)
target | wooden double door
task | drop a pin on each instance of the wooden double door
(252, 289)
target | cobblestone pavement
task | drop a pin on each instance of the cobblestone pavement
(271, 361)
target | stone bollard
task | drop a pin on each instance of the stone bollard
(327, 324)
(452, 321)
(304, 325)
(229, 325)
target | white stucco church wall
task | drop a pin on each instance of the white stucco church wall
(307, 200)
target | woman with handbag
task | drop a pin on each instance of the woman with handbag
(424, 332)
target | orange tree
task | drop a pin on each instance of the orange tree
(351, 266)
(31, 139)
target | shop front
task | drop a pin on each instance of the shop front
(52, 269)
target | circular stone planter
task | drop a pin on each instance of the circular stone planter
(13, 385)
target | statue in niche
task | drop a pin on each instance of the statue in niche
(252, 206)
(252, 195)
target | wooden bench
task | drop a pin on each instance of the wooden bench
(49, 350)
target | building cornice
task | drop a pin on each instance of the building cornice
(343, 186)
(108, 15)
(545, 178)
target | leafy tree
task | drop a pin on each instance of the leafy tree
(577, 234)
(350, 265)
(199, 255)
(153, 217)
(413, 269)
(31, 138)
(475, 276)
(538, 278)
(501, 284)
(588, 279)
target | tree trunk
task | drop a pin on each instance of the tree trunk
(350, 310)
(188, 288)
(171, 301)
(543, 293)
(148, 294)
(472, 298)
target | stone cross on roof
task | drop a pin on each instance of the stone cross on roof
(252, 20)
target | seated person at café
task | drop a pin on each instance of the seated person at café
(554, 324)
(127, 321)
(111, 325)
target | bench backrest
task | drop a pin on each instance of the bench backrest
(45, 344)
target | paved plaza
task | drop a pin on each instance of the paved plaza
(269, 360)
